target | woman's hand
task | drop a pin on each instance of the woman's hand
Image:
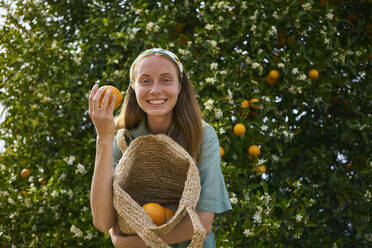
(120, 241)
(102, 116)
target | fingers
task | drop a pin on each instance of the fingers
(111, 107)
(91, 96)
(105, 101)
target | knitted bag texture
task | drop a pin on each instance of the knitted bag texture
(157, 169)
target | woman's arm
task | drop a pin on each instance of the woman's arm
(181, 233)
(101, 188)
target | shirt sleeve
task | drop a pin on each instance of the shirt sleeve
(213, 195)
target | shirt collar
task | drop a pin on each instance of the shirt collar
(141, 129)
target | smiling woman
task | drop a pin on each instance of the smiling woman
(159, 100)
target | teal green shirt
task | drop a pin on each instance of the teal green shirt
(213, 195)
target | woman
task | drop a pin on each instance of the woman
(160, 99)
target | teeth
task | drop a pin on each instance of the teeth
(157, 101)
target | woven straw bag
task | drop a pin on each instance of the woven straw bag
(155, 168)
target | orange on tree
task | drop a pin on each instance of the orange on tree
(156, 212)
(254, 103)
(313, 74)
(222, 151)
(114, 91)
(239, 129)
(274, 74)
(245, 104)
(254, 150)
(270, 81)
(25, 173)
(261, 169)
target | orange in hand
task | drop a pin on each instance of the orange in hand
(114, 91)
(156, 212)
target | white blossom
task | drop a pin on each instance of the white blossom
(253, 28)
(210, 80)
(248, 233)
(274, 158)
(76, 231)
(209, 27)
(218, 113)
(272, 31)
(213, 66)
(281, 65)
(329, 16)
(209, 104)
(317, 99)
(234, 200)
(89, 236)
(295, 71)
(70, 160)
(80, 169)
(243, 5)
(213, 43)
(54, 44)
(261, 161)
(275, 15)
(368, 196)
(255, 65)
(222, 130)
(257, 217)
(302, 77)
(299, 217)
(149, 26)
(264, 127)
(11, 201)
(306, 6)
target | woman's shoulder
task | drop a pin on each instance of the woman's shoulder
(208, 129)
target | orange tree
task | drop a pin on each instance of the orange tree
(305, 182)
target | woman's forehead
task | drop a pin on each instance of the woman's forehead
(156, 64)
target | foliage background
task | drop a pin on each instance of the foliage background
(315, 135)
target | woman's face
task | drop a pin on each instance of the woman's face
(157, 86)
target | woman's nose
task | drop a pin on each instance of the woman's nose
(155, 88)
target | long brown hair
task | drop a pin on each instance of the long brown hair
(187, 119)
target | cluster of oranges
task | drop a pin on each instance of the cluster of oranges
(273, 76)
(158, 214)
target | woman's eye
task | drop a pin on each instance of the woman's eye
(145, 81)
(167, 80)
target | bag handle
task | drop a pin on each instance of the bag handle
(120, 139)
(199, 230)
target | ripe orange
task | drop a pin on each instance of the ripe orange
(114, 91)
(270, 81)
(254, 150)
(239, 129)
(313, 74)
(245, 104)
(254, 103)
(274, 74)
(156, 212)
(25, 173)
(222, 151)
(261, 169)
(168, 213)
